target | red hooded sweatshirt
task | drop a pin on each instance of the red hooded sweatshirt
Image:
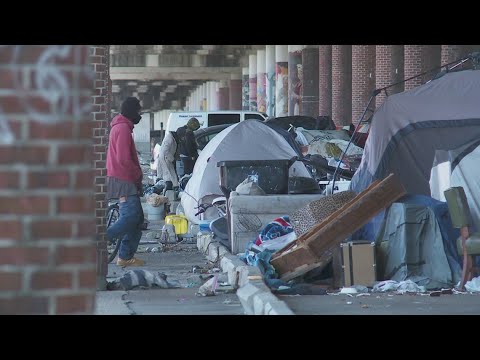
(122, 158)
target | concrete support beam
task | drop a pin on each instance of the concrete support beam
(270, 84)
(281, 81)
(295, 79)
(235, 93)
(245, 88)
(252, 81)
(310, 81)
(261, 81)
(173, 73)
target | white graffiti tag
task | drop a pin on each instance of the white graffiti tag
(45, 91)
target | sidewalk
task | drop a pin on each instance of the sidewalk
(177, 263)
(252, 295)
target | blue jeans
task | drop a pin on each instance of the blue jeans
(127, 227)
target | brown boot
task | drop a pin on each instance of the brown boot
(132, 262)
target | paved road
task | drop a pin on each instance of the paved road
(383, 304)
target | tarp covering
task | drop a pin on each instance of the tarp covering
(415, 249)
(247, 140)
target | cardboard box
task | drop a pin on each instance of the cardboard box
(359, 263)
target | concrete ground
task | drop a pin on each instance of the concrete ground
(177, 263)
(384, 304)
(253, 296)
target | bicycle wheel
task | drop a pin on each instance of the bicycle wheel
(113, 214)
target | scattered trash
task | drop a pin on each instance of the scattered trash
(361, 288)
(227, 301)
(348, 290)
(407, 286)
(473, 285)
(349, 303)
(214, 270)
(208, 289)
(365, 306)
(364, 294)
(143, 279)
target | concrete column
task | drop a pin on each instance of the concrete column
(235, 92)
(325, 80)
(295, 79)
(151, 60)
(207, 95)
(252, 82)
(213, 102)
(198, 98)
(261, 82)
(388, 70)
(281, 80)
(223, 95)
(270, 85)
(49, 178)
(363, 80)
(342, 84)
(418, 59)
(245, 88)
(310, 65)
(203, 97)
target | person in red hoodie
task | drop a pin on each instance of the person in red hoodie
(124, 182)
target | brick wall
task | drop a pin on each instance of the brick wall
(47, 221)
(418, 59)
(342, 84)
(389, 69)
(99, 60)
(325, 80)
(451, 53)
(363, 79)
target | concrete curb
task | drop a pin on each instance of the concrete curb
(254, 294)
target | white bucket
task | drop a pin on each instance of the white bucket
(156, 212)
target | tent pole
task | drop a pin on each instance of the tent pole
(374, 93)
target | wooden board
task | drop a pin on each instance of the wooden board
(315, 248)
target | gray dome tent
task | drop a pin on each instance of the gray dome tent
(409, 127)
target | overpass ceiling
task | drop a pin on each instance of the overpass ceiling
(150, 70)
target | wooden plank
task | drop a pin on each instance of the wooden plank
(326, 236)
(320, 225)
(358, 214)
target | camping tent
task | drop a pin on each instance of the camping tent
(409, 127)
(458, 167)
(247, 140)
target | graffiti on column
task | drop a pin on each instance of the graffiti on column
(281, 96)
(270, 96)
(245, 94)
(252, 100)
(296, 83)
(47, 92)
(261, 92)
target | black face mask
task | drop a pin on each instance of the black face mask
(136, 119)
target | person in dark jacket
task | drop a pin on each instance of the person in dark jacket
(124, 182)
(188, 146)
